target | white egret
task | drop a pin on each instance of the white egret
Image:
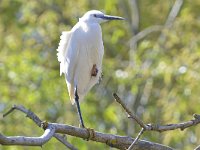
(80, 54)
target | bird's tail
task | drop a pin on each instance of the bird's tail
(71, 93)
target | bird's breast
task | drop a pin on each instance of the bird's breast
(91, 39)
(93, 34)
(89, 46)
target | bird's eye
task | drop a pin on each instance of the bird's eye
(95, 15)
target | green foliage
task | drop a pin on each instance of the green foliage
(162, 85)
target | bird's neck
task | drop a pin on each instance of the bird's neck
(90, 26)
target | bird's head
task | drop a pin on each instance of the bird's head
(96, 16)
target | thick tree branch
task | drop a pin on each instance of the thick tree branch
(28, 141)
(121, 142)
(38, 121)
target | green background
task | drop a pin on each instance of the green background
(158, 79)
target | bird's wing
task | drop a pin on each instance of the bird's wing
(63, 49)
(67, 58)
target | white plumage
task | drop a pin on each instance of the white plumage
(79, 50)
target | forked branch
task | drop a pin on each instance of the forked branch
(52, 129)
(156, 127)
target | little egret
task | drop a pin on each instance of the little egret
(80, 53)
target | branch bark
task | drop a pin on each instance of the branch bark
(171, 18)
(142, 34)
(136, 139)
(120, 142)
(130, 114)
(28, 141)
(38, 122)
(157, 127)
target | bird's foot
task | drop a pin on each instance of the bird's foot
(91, 134)
(90, 131)
(44, 124)
(94, 70)
(81, 126)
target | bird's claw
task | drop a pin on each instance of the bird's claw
(81, 126)
(44, 124)
(91, 133)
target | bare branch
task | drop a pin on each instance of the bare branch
(155, 28)
(131, 115)
(62, 140)
(139, 36)
(38, 121)
(28, 141)
(156, 127)
(121, 142)
(136, 139)
(197, 148)
(28, 113)
(182, 126)
(171, 18)
(173, 13)
(135, 15)
(144, 33)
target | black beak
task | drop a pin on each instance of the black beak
(108, 17)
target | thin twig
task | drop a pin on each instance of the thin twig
(174, 13)
(142, 34)
(182, 125)
(135, 15)
(171, 18)
(28, 113)
(9, 111)
(157, 127)
(131, 115)
(62, 140)
(136, 139)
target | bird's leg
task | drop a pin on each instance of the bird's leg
(78, 108)
(94, 70)
(91, 133)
